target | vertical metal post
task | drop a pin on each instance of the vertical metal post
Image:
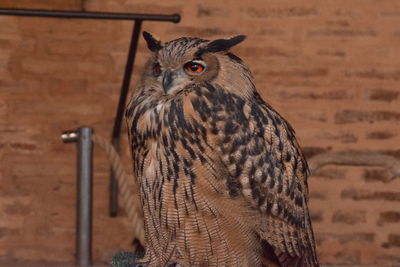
(83, 138)
(120, 111)
(84, 198)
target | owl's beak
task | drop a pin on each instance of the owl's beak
(167, 80)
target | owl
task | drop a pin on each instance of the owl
(221, 177)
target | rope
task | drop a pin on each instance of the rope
(133, 211)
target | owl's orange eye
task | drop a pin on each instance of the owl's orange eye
(156, 69)
(194, 67)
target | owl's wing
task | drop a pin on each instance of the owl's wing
(265, 166)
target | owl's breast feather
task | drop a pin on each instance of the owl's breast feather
(146, 118)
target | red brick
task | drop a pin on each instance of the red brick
(338, 23)
(342, 136)
(342, 33)
(394, 153)
(17, 208)
(347, 238)
(317, 195)
(380, 135)
(304, 73)
(6, 44)
(315, 95)
(4, 232)
(384, 95)
(377, 175)
(311, 151)
(268, 51)
(63, 87)
(44, 66)
(27, 45)
(389, 217)
(68, 47)
(345, 12)
(349, 217)
(316, 216)
(331, 53)
(23, 146)
(347, 257)
(390, 14)
(330, 173)
(393, 260)
(204, 32)
(207, 11)
(271, 32)
(374, 74)
(311, 116)
(393, 241)
(370, 195)
(351, 116)
(280, 12)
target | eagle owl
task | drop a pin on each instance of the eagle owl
(222, 179)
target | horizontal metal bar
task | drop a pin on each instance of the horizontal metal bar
(69, 136)
(88, 15)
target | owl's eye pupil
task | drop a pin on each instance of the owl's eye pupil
(157, 69)
(194, 67)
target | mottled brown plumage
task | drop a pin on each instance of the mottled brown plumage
(222, 178)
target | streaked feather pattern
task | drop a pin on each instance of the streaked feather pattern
(222, 177)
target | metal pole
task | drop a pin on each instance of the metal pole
(83, 137)
(84, 199)
(120, 112)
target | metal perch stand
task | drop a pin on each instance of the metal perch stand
(83, 136)
(86, 139)
(138, 19)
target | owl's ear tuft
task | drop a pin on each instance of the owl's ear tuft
(224, 44)
(220, 45)
(152, 43)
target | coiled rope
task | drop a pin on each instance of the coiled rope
(133, 211)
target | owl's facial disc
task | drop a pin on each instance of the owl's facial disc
(173, 79)
(179, 78)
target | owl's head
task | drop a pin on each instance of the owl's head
(185, 61)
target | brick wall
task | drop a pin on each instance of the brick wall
(330, 67)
